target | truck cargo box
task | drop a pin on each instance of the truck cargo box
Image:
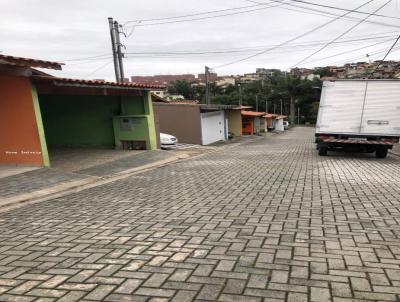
(360, 107)
(358, 116)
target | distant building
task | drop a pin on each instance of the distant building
(211, 77)
(159, 93)
(225, 81)
(162, 79)
(363, 70)
(310, 77)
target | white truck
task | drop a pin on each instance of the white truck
(358, 116)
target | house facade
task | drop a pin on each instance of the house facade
(39, 112)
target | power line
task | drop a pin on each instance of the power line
(352, 59)
(90, 62)
(357, 38)
(208, 17)
(194, 14)
(318, 12)
(291, 40)
(341, 35)
(85, 58)
(240, 50)
(342, 9)
(391, 48)
(97, 69)
(349, 51)
(386, 55)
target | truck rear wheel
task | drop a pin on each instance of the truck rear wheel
(381, 153)
(323, 151)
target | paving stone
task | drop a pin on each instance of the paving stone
(297, 297)
(72, 296)
(341, 290)
(184, 296)
(146, 291)
(129, 286)
(209, 292)
(46, 293)
(234, 286)
(320, 294)
(156, 280)
(360, 284)
(280, 276)
(263, 220)
(100, 292)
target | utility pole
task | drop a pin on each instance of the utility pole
(240, 94)
(207, 70)
(119, 52)
(257, 102)
(114, 48)
(298, 115)
(281, 107)
(266, 106)
(274, 108)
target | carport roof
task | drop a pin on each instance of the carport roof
(270, 115)
(27, 62)
(214, 107)
(56, 81)
(252, 113)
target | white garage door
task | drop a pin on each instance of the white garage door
(212, 127)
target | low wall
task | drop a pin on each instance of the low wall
(180, 120)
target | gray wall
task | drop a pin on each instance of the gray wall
(180, 120)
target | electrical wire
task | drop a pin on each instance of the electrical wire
(97, 69)
(318, 12)
(352, 39)
(194, 14)
(391, 48)
(208, 17)
(249, 49)
(84, 59)
(349, 51)
(292, 39)
(341, 35)
(386, 55)
(341, 9)
(352, 59)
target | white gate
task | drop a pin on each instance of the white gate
(213, 127)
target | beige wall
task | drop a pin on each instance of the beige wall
(263, 124)
(235, 122)
(180, 120)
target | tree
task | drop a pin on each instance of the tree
(181, 87)
(324, 72)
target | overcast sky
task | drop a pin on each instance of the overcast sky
(66, 30)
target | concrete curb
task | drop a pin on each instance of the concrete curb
(43, 192)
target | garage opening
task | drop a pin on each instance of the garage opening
(87, 125)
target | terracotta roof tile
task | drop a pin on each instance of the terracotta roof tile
(96, 83)
(252, 113)
(27, 62)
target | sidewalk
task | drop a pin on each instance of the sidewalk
(44, 182)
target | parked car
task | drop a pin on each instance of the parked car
(286, 125)
(168, 141)
(358, 116)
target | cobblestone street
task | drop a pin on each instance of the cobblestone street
(267, 220)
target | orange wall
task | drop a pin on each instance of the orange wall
(247, 126)
(19, 137)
